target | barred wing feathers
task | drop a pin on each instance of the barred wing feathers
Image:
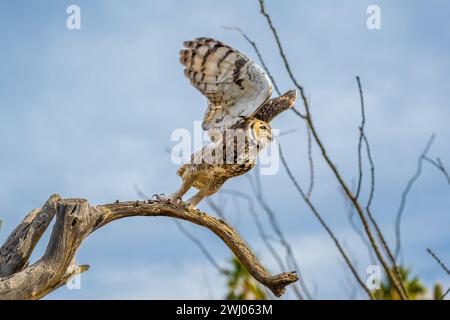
(233, 84)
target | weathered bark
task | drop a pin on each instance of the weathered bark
(75, 220)
(17, 249)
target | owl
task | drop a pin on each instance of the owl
(236, 119)
(231, 154)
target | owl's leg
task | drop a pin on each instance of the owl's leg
(187, 183)
(194, 200)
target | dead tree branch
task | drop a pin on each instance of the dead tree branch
(363, 137)
(405, 193)
(275, 225)
(75, 220)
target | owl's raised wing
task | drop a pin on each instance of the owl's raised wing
(234, 85)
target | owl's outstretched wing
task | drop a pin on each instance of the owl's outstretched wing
(234, 85)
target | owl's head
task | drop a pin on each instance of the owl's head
(261, 132)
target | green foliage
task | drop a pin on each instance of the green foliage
(241, 285)
(438, 293)
(414, 287)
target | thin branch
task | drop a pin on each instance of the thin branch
(380, 235)
(186, 233)
(261, 60)
(351, 287)
(280, 48)
(445, 294)
(258, 53)
(350, 215)
(263, 235)
(438, 164)
(311, 163)
(441, 263)
(290, 257)
(372, 174)
(405, 193)
(200, 245)
(360, 140)
(443, 266)
(324, 225)
(330, 163)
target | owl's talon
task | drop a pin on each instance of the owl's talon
(185, 206)
(159, 197)
(178, 201)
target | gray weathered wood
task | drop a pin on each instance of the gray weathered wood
(17, 249)
(75, 220)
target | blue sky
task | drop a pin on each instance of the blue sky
(88, 113)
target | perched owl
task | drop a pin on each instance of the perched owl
(238, 93)
(232, 154)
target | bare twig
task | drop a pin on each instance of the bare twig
(372, 174)
(441, 263)
(261, 60)
(445, 294)
(405, 193)
(262, 233)
(290, 257)
(311, 163)
(324, 225)
(186, 233)
(360, 141)
(216, 208)
(443, 266)
(349, 284)
(380, 235)
(330, 163)
(258, 53)
(263, 64)
(201, 246)
(438, 164)
(350, 209)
